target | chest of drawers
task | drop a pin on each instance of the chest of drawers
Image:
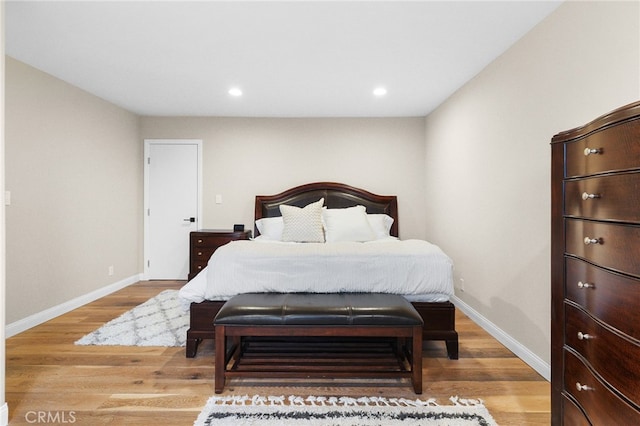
(595, 271)
(204, 242)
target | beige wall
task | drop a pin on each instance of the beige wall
(247, 157)
(488, 157)
(74, 169)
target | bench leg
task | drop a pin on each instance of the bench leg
(416, 364)
(220, 358)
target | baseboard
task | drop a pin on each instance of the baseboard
(4, 415)
(521, 351)
(40, 317)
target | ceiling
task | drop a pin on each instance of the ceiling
(290, 59)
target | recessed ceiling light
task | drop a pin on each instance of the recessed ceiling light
(235, 91)
(379, 91)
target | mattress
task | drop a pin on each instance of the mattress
(416, 269)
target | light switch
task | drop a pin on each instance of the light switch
(218, 198)
(7, 198)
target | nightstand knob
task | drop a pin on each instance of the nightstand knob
(588, 241)
(589, 151)
(199, 241)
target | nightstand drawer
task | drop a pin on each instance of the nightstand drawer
(212, 241)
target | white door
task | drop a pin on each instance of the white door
(172, 205)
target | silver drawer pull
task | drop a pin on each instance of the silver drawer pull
(589, 151)
(584, 336)
(587, 196)
(585, 285)
(581, 387)
(588, 241)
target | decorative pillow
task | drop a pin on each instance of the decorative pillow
(381, 225)
(303, 225)
(270, 227)
(350, 224)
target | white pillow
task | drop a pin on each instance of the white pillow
(270, 227)
(381, 225)
(350, 224)
(303, 225)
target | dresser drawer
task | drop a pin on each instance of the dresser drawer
(613, 357)
(572, 414)
(615, 246)
(601, 406)
(618, 150)
(615, 197)
(611, 297)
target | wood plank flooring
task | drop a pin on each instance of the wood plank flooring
(50, 380)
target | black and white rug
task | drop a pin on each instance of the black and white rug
(330, 411)
(160, 321)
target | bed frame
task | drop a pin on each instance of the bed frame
(439, 317)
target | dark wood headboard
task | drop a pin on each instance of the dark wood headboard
(336, 195)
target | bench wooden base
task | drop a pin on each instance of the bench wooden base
(362, 359)
(439, 324)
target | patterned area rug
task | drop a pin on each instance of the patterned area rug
(160, 321)
(365, 411)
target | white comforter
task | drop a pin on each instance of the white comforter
(416, 269)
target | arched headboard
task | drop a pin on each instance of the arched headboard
(336, 195)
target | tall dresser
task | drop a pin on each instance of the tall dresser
(595, 271)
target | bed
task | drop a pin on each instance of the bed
(436, 310)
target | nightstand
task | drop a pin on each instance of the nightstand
(204, 242)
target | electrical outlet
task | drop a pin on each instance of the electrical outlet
(461, 284)
(110, 271)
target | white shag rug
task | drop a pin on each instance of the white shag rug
(160, 321)
(329, 411)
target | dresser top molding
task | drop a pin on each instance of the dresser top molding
(618, 115)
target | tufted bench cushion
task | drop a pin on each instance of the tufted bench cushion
(318, 309)
(318, 315)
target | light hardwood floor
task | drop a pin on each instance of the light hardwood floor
(48, 376)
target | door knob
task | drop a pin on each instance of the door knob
(191, 219)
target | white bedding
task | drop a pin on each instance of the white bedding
(417, 269)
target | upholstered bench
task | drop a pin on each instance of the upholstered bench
(358, 326)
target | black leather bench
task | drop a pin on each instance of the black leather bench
(361, 319)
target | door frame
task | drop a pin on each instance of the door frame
(147, 149)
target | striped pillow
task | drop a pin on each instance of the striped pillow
(303, 225)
